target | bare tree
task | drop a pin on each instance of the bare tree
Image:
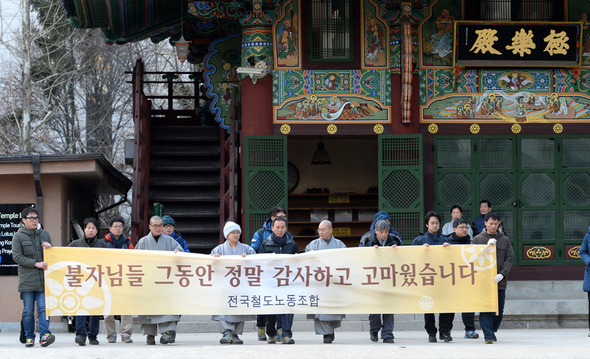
(65, 91)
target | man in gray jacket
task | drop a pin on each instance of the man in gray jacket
(27, 251)
(490, 322)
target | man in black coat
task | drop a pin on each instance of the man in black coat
(381, 238)
(279, 242)
(461, 236)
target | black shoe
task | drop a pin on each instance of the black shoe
(80, 339)
(168, 337)
(432, 338)
(388, 340)
(92, 341)
(150, 340)
(328, 338)
(22, 338)
(374, 336)
(446, 337)
(46, 340)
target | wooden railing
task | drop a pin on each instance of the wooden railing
(229, 184)
(142, 108)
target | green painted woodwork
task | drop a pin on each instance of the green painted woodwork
(539, 185)
(265, 179)
(401, 183)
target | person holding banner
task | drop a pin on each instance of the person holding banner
(116, 239)
(232, 325)
(383, 237)
(432, 237)
(490, 322)
(325, 324)
(260, 236)
(279, 242)
(27, 251)
(585, 256)
(461, 236)
(157, 241)
(90, 240)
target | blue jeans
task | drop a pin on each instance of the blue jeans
(94, 322)
(285, 322)
(29, 299)
(490, 322)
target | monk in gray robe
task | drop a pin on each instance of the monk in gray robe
(325, 323)
(232, 325)
(157, 241)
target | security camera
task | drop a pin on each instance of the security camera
(251, 70)
(259, 70)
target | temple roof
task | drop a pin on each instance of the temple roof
(200, 22)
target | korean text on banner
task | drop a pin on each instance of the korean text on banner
(413, 279)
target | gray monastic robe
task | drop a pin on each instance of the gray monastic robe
(318, 245)
(225, 249)
(164, 243)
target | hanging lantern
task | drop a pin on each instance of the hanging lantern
(182, 48)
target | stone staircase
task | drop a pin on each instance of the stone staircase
(184, 177)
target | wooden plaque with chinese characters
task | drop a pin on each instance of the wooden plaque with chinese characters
(517, 44)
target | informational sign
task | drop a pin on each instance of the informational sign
(412, 279)
(9, 222)
(517, 44)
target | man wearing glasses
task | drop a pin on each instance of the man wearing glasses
(27, 251)
(157, 241)
(116, 239)
(461, 236)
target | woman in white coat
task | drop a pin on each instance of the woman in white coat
(232, 325)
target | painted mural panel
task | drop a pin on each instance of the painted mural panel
(375, 42)
(286, 37)
(349, 96)
(221, 78)
(437, 34)
(506, 96)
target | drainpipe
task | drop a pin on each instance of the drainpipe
(36, 160)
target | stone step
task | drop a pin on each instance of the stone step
(403, 322)
(529, 304)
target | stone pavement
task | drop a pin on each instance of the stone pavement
(512, 343)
